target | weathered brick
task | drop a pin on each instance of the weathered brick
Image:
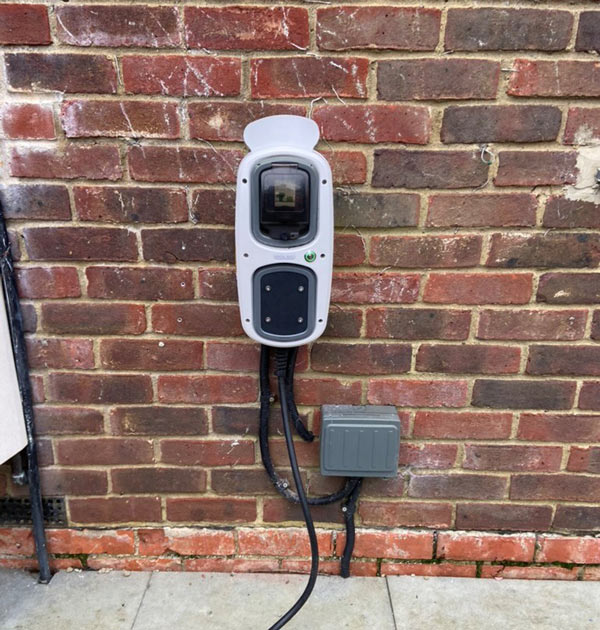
(577, 550)
(71, 162)
(151, 356)
(225, 121)
(36, 201)
(29, 318)
(179, 75)
(218, 284)
(36, 72)
(441, 569)
(476, 288)
(503, 516)
(508, 29)
(115, 510)
(211, 510)
(405, 514)
(103, 451)
(371, 288)
(536, 168)
(157, 420)
(588, 32)
(482, 210)
(232, 357)
(281, 542)
(423, 455)
(567, 360)
(48, 282)
(27, 121)
(129, 119)
(183, 164)
(176, 245)
(53, 420)
(213, 206)
(425, 251)
(156, 541)
(404, 545)
(500, 123)
(381, 358)
(558, 487)
(559, 428)
(384, 210)
(70, 541)
(544, 572)
(197, 319)
(207, 452)
(374, 123)
(569, 288)
(60, 353)
(457, 486)
(490, 547)
(437, 79)
(576, 518)
(584, 459)
(531, 325)
(554, 78)
(412, 393)
(118, 26)
(99, 389)
(421, 323)
(344, 323)
(378, 27)
(75, 243)
(512, 458)
(233, 420)
(595, 333)
(523, 394)
(157, 479)
(246, 28)
(428, 169)
(73, 481)
(349, 250)
(211, 388)
(461, 425)
(468, 359)
(24, 24)
(583, 126)
(302, 77)
(307, 453)
(589, 396)
(313, 391)
(279, 510)
(564, 213)
(241, 481)
(94, 319)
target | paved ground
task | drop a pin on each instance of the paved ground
(213, 601)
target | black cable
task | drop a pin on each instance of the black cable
(303, 432)
(349, 510)
(312, 535)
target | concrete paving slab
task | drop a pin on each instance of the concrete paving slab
(214, 601)
(471, 604)
(90, 600)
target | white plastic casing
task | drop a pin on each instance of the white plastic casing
(283, 138)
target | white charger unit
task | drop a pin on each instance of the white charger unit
(284, 232)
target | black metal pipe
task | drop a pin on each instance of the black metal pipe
(15, 321)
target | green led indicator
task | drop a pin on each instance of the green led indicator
(310, 256)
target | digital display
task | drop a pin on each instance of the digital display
(284, 194)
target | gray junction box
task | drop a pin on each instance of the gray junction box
(359, 440)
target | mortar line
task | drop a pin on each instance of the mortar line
(137, 612)
(387, 586)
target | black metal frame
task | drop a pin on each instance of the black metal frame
(15, 320)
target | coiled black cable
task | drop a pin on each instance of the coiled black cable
(349, 509)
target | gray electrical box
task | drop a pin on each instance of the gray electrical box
(359, 441)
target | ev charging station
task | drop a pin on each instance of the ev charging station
(284, 258)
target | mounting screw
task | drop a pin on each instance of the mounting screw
(267, 319)
(300, 320)
(344, 509)
(300, 288)
(268, 287)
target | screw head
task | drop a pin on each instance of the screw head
(310, 256)
(300, 320)
(267, 319)
(301, 288)
(268, 287)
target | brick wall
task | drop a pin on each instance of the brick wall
(464, 140)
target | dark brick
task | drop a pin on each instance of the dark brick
(344, 323)
(512, 458)
(527, 324)
(60, 353)
(135, 283)
(468, 359)
(99, 389)
(242, 481)
(197, 319)
(588, 33)
(54, 420)
(158, 420)
(568, 360)
(523, 394)
(584, 459)
(595, 333)
(175, 245)
(48, 282)
(277, 510)
(559, 428)
(218, 284)
(503, 516)
(24, 24)
(73, 481)
(360, 358)
(94, 319)
(457, 486)
(564, 213)
(115, 510)
(104, 451)
(559, 487)
(36, 201)
(569, 288)
(577, 518)
(422, 323)
(234, 420)
(589, 396)
(158, 480)
(211, 510)
(151, 355)
(536, 168)
(389, 210)
(213, 206)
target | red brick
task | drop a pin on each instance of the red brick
(145, 283)
(589, 573)
(554, 78)
(378, 27)
(507, 29)
(73, 481)
(112, 563)
(16, 541)
(210, 205)
(281, 542)
(34, 72)
(437, 79)
(423, 455)
(329, 567)
(589, 396)
(27, 121)
(207, 452)
(279, 510)
(347, 167)
(48, 282)
(531, 325)
(564, 213)
(186, 542)
(218, 284)
(99, 389)
(513, 458)
(60, 353)
(113, 119)
(232, 357)
(581, 550)
(115, 510)
(445, 569)
(31, 564)
(457, 486)
(417, 323)
(583, 125)
(384, 210)
(211, 510)
(344, 323)
(103, 451)
(398, 168)
(488, 288)
(558, 487)
(180, 75)
(402, 545)
(76, 243)
(207, 389)
(468, 359)
(374, 123)
(225, 121)
(360, 358)
(151, 356)
(425, 251)
(522, 394)
(490, 547)
(567, 360)
(197, 319)
(183, 164)
(348, 250)
(86, 541)
(118, 26)
(157, 420)
(500, 123)
(68, 420)
(482, 210)
(242, 481)
(536, 168)
(313, 391)
(569, 288)
(307, 453)
(374, 288)
(584, 459)
(94, 319)
(462, 425)
(405, 514)
(559, 428)
(302, 77)
(412, 393)
(246, 28)
(503, 516)
(71, 162)
(36, 201)
(154, 480)
(588, 37)
(24, 24)
(501, 572)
